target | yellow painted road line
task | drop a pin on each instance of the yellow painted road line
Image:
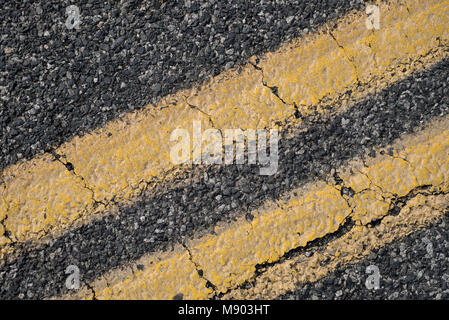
(420, 212)
(159, 276)
(320, 67)
(40, 194)
(116, 162)
(43, 196)
(229, 257)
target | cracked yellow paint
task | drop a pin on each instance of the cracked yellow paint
(420, 160)
(325, 65)
(3, 209)
(369, 202)
(411, 29)
(419, 212)
(3, 240)
(114, 163)
(418, 166)
(115, 160)
(240, 101)
(41, 194)
(159, 276)
(310, 212)
(231, 257)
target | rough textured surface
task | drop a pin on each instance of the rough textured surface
(414, 267)
(56, 83)
(316, 262)
(160, 276)
(40, 195)
(120, 160)
(316, 145)
(313, 211)
(233, 253)
(230, 257)
(174, 214)
(344, 54)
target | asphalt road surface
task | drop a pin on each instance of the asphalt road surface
(363, 137)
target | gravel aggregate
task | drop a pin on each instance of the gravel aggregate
(57, 82)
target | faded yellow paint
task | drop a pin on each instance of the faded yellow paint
(117, 161)
(82, 293)
(240, 101)
(3, 240)
(413, 28)
(3, 209)
(229, 256)
(41, 196)
(418, 160)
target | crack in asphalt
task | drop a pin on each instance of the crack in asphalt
(261, 268)
(199, 270)
(115, 68)
(206, 114)
(71, 168)
(6, 232)
(273, 89)
(107, 203)
(442, 47)
(94, 294)
(348, 57)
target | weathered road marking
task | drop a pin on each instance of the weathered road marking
(364, 191)
(114, 163)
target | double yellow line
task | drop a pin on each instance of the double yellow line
(115, 163)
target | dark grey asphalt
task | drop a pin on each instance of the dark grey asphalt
(409, 268)
(176, 209)
(56, 83)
